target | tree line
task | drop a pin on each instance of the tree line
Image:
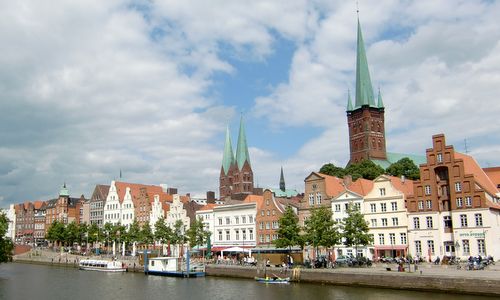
(320, 230)
(67, 235)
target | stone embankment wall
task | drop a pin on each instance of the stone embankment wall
(376, 279)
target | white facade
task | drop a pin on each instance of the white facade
(128, 210)
(156, 213)
(385, 212)
(339, 206)
(11, 216)
(177, 212)
(207, 216)
(112, 206)
(234, 225)
(474, 232)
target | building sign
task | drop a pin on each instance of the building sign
(472, 234)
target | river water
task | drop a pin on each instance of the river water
(24, 281)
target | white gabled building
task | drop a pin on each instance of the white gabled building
(177, 212)
(157, 212)
(11, 216)
(112, 206)
(385, 212)
(128, 209)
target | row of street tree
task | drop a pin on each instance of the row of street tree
(82, 234)
(321, 230)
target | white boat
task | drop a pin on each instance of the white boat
(102, 265)
(172, 266)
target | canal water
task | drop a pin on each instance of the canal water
(24, 281)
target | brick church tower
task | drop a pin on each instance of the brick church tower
(366, 118)
(236, 175)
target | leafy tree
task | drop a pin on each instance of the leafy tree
(332, 170)
(146, 235)
(288, 231)
(134, 232)
(94, 233)
(406, 167)
(6, 244)
(365, 169)
(163, 233)
(196, 234)
(56, 232)
(355, 229)
(178, 237)
(320, 229)
(71, 234)
(82, 233)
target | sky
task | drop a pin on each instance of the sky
(90, 87)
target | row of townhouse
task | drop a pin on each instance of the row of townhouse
(453, 210)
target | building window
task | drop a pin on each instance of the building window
(250, 219)
(357, 205)
(374, 222)
(463, 220)
(228, 235)
(381, 240)
(392, 238)
(267, 238)
(250, 233)
(337, 207)
(459, 202)
(439, 158)
(261, 238)
(418, 247)
(236, 220)
(267, 202)
(416, 223)
(383, 207)
(384, 222)
(268, 225)
(243, 220)
(403, 238)
(468, 201)
(220, 235)
(421, 204)
(479, 220)
(466, 247)
(373, 207)
(430, 245)
(382, 191)
(428, 203)
(429, 222)
(237, 234)
(311, 199)
(447, 222)
(261, 225)
(427, 189)
(318, 198)
(275, 225)
(481, 247)
(244, 234)
(262, 213)
(228, 220)
(274, 212)
(268, 212)
(458, 187)
(394, 206)
(395, 222)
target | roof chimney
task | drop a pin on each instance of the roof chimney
(402, 179)
(347, 180)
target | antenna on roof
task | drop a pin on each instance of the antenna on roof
(465, 145)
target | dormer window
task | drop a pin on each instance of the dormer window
(439, 157)
(382, 192)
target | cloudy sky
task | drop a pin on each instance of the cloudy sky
(91, 87)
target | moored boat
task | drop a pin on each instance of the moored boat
(274, 279)
(172, 266)
(102, 265)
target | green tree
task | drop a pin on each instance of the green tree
(178, 235)
(82, 233)
(355, 229)
(6, 244)
(288, 231)
(404, 167)
(364, 169)
(146, 235)
(320, 229)
(163, 233)
(56, 232)
(332, 170)
(71, 234)
(94, 233)
(196, 234)
(134, 232)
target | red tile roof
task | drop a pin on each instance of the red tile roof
(361, 186)
(208, 206)
(405, 187)
(333, 185)
(494, 175)
(472, 167)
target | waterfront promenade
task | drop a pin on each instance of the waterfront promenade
(427, 277)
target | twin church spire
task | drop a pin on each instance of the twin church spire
(236, 177)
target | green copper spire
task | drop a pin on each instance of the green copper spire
(282, 181)
(380, 103)
(242, 148)
(64, 191)
(364, 89)
(228, 156)
(349, 102)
